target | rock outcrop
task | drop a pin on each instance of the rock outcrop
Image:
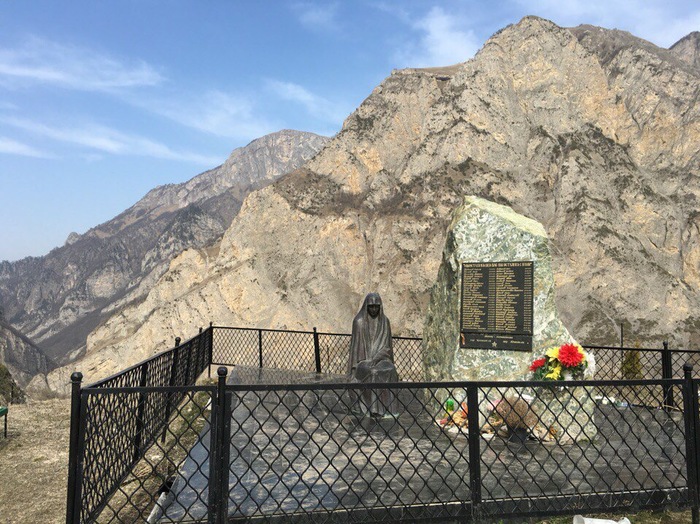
(58, 299)
(20, 356)
(481, 231)
(688, 49)
(591, 132)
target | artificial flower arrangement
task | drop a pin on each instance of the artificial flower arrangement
(566, 362)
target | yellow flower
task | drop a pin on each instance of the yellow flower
(554, 374)
(583, 354)
(553, 352)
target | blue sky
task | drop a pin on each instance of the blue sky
(101, 101)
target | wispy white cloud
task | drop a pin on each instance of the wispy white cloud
(111, 141)
(39, 61)
(443, 40)
(317, 106)
(9, 146)
(317, 16)
(222, 114)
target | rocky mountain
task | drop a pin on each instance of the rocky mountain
(688, 49)
(58, 299)
(591, 132)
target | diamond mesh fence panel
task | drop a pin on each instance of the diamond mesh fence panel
(372, 453)
(295, 350)
(628, 363)
(288, 350)
(408, 356)
(335, 351)
(124, 482)
(632, 364)
(306, 452)
(120, 425)
(681, 357)
(235, 346)
(579, 449)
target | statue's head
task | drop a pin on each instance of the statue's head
(374, 304)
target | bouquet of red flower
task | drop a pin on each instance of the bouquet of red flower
(566, 362)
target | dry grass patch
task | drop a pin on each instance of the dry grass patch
(34, 462)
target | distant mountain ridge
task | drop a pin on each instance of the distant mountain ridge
(58, 299)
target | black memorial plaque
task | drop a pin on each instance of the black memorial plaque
(496, 308)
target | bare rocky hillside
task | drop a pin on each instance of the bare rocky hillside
(20, 356)
(591, 132)
(57, 300)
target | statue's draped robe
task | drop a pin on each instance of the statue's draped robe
(372, 357)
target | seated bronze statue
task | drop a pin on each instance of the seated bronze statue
(372, 357)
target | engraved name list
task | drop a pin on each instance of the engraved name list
(496, 310)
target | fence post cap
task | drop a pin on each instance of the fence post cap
(222, 371)
(688, 368)
(76, 376)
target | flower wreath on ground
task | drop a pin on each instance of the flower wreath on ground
(565, 362)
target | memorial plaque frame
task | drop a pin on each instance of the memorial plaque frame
(496, 305)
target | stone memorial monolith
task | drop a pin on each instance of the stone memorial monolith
(480, 232)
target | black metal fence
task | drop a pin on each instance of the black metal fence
(304, 351)
(328, 353)
(116, 420)
(148, 445)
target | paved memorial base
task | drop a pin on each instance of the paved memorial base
(305, 457)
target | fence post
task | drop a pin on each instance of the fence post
(260, 355)
(218, 410)
(76, 379)
(200, 352)
(211, 347)
(171, 383)
(317, 351)
(188, 367)
(474, 449)
(690, 417)
(224, 454)
(667, 374)
(139, 413)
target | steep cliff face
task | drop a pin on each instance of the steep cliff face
(57, 300)
(589, 131)
(20, 356)
(688, 49)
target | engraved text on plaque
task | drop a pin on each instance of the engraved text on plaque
(496, 308)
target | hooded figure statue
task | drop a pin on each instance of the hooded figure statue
(371, 355)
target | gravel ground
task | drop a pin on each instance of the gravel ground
(34, 463)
